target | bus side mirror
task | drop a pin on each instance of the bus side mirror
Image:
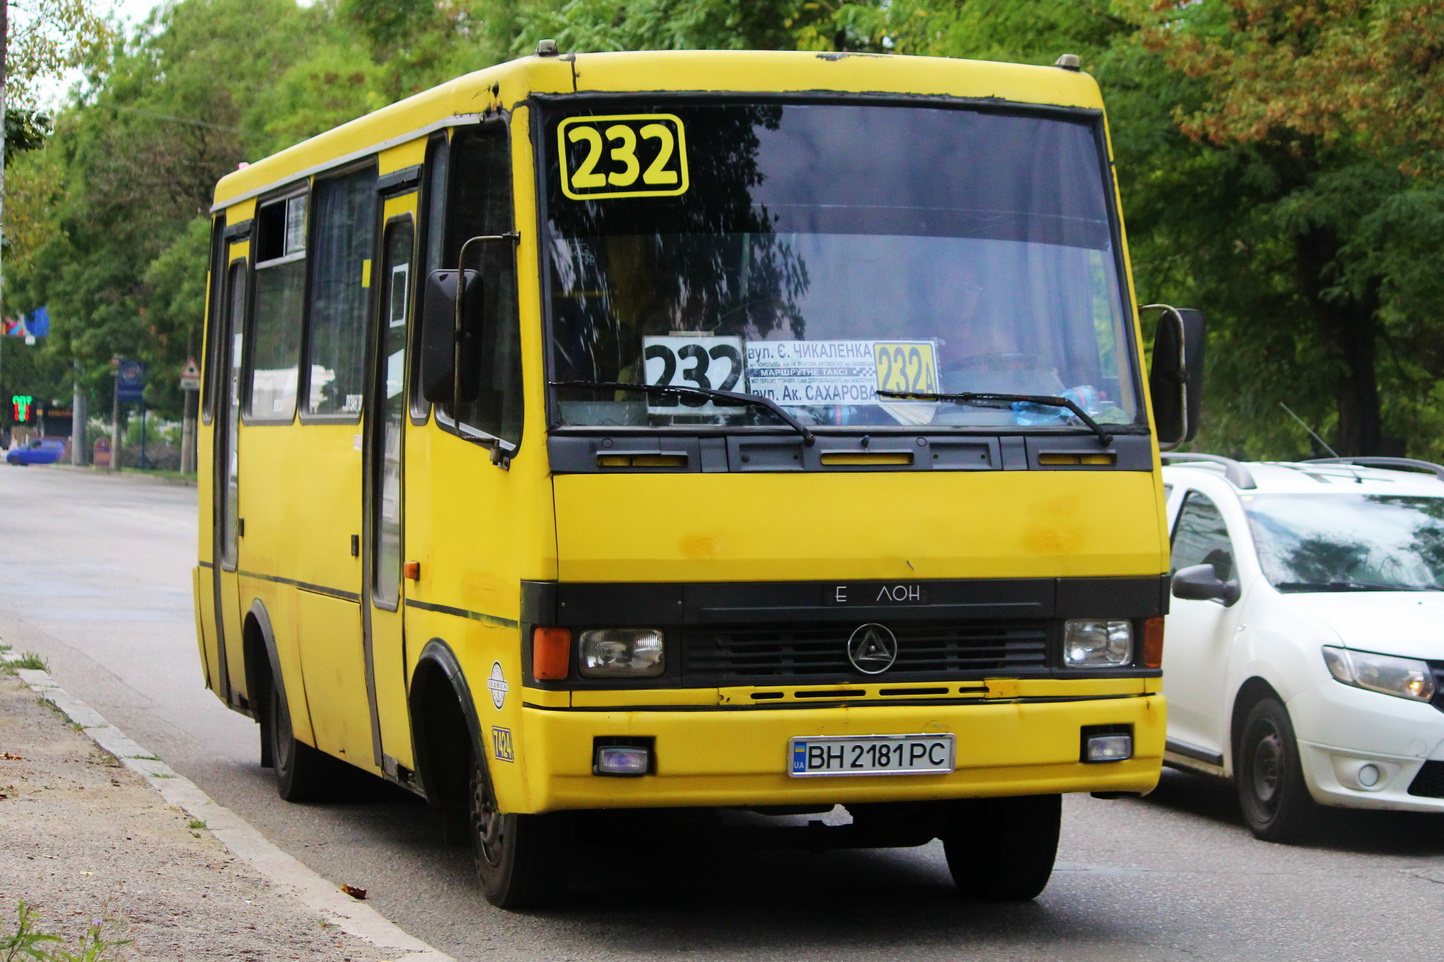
(450, 341)
(1176, 378)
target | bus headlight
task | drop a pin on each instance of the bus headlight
(1401, 677)
(622, 653)
(1094, 643)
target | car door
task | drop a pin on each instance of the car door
(1199, 637)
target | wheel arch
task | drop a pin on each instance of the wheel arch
(445, 728)
(262, 661)
(261, 665)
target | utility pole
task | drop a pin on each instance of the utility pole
(79, 435)
(4, 53)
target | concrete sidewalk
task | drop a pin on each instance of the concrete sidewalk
(95, 830)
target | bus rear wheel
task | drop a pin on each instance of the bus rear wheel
(1003, 849)
(521, 860)
(303, 773)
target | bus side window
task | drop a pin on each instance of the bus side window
(433, 225)
(214, 301)
(479, 204)
(345, 232)
(280, 287)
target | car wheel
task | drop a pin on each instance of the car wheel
(303, 773)
(520, 859)
(1276, 803)
(1003, 849)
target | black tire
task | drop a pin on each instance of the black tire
(1276, 804)
(521, 860)
(303, 773)
(1003, 849)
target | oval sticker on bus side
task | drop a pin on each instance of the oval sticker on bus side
(627, 155)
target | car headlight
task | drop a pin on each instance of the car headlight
(1094, 643)
(1390, 675)
(622, 653)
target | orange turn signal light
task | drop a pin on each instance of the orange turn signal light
(1153, 643)
(551, 653)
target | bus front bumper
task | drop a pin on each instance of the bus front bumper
(742, 757)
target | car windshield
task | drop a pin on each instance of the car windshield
(814, 254)
(1349, 542)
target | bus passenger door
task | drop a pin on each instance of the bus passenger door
(385, 600)
(226, 476)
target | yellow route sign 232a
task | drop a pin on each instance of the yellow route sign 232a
(627, 155)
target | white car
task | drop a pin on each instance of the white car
(1304, 648)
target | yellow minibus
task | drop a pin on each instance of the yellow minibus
(695, 430)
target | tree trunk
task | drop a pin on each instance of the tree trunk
(1356, 338)
(1349, 332)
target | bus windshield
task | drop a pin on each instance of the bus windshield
(817, 253)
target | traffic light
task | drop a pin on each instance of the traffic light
(24, 407)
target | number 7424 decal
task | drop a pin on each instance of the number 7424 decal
(626, 155)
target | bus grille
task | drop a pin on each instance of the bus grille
(772, 653)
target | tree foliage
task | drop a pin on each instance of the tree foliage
(1365, 70)
(50, 37)
(1280, 164)
(598, 25)
(1292, 175)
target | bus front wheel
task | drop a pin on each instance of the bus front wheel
(521, 860)
(1003, 849)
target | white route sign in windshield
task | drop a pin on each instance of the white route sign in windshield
(800, 373)
(791, 373)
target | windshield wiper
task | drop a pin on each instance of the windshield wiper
(1305, 586)
(974, 398)
(657, 390)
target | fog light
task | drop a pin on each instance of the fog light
(1094, 643)
(1368, 776)
(1108, 748)
(626, 760)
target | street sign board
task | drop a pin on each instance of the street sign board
(190, 379)
(129, 380)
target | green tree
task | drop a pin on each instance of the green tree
(164, 117)
(599, 25)
(1291, 195)
(1274, 165)
(416, 44)
(54, 36)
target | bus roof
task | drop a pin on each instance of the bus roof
(702, 71)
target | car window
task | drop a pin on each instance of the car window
(1201, 537)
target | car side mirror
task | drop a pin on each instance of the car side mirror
(1202, 583)
(1175, 380)
(450, 338)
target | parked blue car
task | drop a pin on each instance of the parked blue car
(38, 451)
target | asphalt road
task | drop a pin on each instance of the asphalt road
(95, 575)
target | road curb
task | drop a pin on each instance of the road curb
(280, 869)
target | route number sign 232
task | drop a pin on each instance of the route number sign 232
(626, 155)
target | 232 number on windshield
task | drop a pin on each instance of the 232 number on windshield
(626, 155)
(906, 366)
(709, 363)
